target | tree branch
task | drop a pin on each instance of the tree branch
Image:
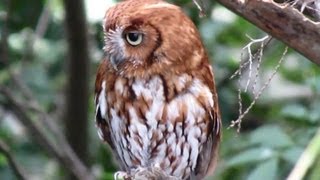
(283, 22)
(4, 149)
(61, 150)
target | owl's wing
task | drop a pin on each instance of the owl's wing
(207, 159)
(214, 140)
(101, 104)
(103, 79)
(210, 148)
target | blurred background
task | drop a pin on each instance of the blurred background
(36, 85)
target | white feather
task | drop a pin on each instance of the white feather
(144, 129)
(102, 104)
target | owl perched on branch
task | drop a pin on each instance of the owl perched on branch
(155, 96)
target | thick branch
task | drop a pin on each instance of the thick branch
(283, 22)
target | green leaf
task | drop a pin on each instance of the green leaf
(265, 171)
(291, 155)
(48, 51)
(270, 136)
(3, 160)
(314, 114)
(296, 111)
(315, 175)
(250, 156)
(35, 76)
(107, 176)
(16, 41)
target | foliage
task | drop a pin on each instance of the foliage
(273, 134)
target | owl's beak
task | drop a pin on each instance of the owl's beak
(115, 60)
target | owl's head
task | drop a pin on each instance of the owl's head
(144, 37)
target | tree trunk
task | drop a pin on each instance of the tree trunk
(76, 127)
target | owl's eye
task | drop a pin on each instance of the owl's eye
(134, 38)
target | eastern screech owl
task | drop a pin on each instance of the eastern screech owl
(155, 96)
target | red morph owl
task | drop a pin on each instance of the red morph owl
(155, 96)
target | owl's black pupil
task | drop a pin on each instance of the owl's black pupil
(133, 36)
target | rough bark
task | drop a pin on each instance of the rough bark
(283, 22)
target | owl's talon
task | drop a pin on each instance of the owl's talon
(139, 169)
(120, 175)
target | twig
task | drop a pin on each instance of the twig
(257, 96)
(259, 56)
(306, 159)
(200, 6)
(43, 22)
(248, 47)
(303, 3)
(251, 57)
(4, 149)
(265, 41)
(61, 150)
(24, 89)
(40, 29)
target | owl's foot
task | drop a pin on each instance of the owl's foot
(155, 172)
(121, 175)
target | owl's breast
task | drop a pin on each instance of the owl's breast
(159, 122)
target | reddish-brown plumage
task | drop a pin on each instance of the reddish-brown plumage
(156, 103)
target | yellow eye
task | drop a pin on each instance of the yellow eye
(134, 38)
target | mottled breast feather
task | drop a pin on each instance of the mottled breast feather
(159, 106)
